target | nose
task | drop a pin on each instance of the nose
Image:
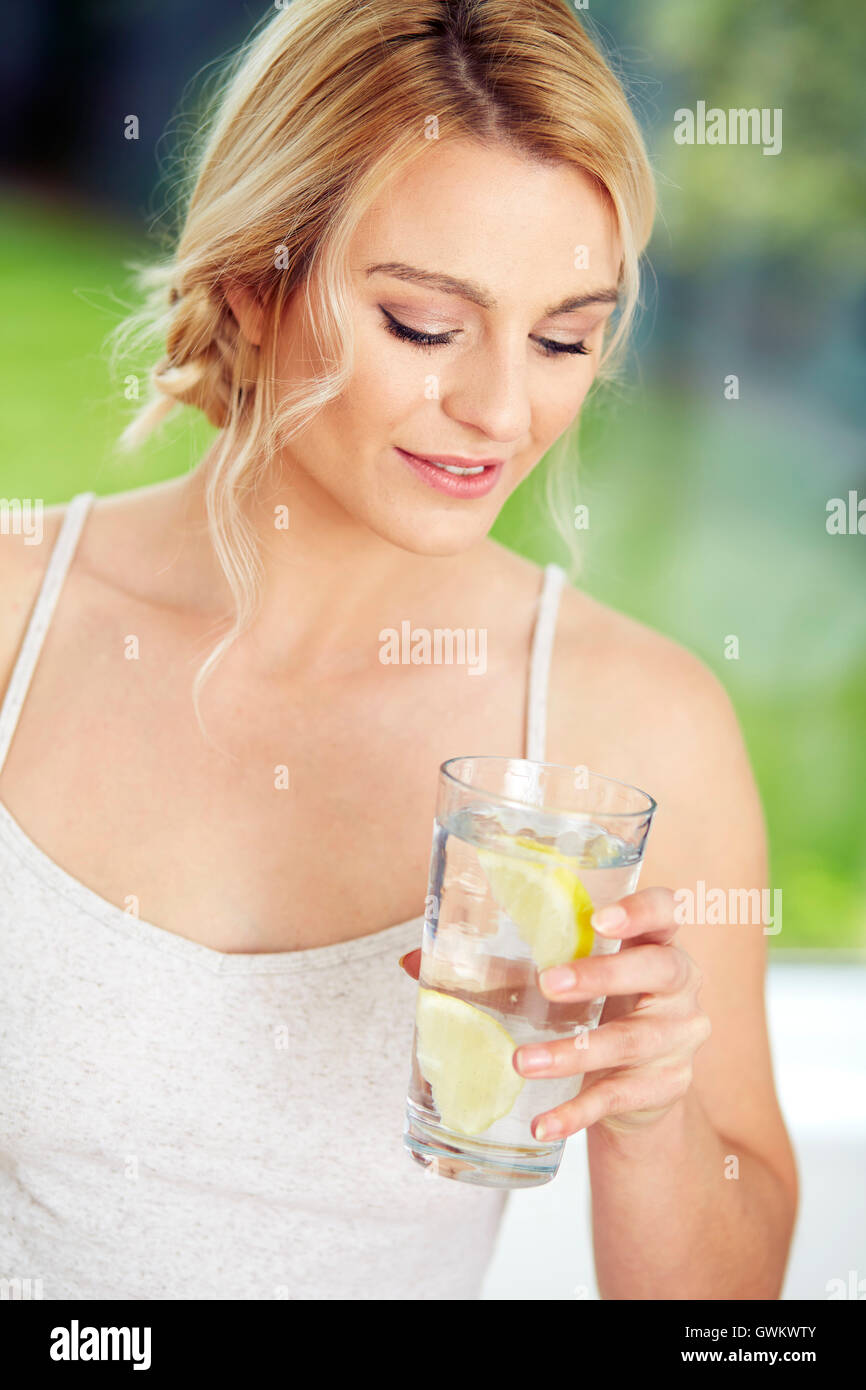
(490, 392)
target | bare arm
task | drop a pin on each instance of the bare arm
(701, 1203)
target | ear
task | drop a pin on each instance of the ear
(247, 310)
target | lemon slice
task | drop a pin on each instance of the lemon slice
(465, 1055)
(549, 906)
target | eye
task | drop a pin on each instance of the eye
(427, 340)
(552, 349)
(411, 335)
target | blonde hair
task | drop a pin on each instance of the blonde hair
(317, 112)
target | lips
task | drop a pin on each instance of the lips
(458, 463)
(455, 474)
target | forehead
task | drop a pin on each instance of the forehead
(494, 215)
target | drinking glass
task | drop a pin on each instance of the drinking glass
(523, 853)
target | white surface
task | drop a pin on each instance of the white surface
(817, 1020)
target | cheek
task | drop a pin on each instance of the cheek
(385, 387)
(558, 404)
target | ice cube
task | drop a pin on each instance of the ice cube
(574, 842)
(546, 827)
(512, 819)
(594, 847)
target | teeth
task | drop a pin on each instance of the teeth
(453, 468)
(463, 472)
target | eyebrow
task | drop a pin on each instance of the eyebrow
(468, 289)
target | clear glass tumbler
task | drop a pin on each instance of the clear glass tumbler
(523, 853)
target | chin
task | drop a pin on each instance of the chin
(445, 538)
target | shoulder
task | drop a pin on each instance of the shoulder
(651, 713)
(27, 535)
(114, 529)
(635, 669)
(26, 543)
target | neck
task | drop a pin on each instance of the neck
(329, 585)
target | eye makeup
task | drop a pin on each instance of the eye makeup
(548, 346)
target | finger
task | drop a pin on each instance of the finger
(644, 1089)
(625, 1043)
(411, 962)
(640, 970)
(648, 914)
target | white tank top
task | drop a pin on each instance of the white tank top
(182, 1123)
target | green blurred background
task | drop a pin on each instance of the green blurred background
(707, 515)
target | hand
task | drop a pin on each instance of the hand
(638, 1062)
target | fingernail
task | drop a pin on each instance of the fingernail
(548, 1129)
(557, 978)
(534, 1058)
(608, 919)
(402, 958)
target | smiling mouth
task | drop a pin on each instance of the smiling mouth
(455, 475)
(450, 468)
(462, 468)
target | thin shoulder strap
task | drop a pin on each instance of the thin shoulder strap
(40, 618)
(539, 662)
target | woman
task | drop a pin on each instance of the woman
(407, 236)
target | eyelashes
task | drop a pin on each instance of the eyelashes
(431, 340)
